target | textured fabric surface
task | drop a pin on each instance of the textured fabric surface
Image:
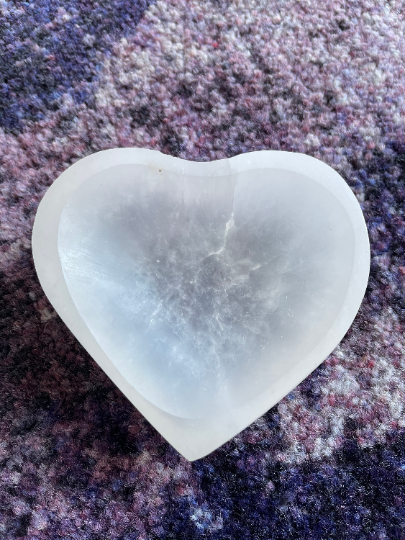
(202, 80)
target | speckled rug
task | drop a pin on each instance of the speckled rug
(202, 80)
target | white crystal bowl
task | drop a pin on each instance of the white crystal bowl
(206, 291)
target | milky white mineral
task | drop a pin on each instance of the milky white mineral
(206, 291)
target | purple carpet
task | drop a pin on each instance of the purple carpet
(202, 80)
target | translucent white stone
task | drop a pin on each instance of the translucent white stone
(211, 289)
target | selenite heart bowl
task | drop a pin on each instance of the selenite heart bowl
(205, 291)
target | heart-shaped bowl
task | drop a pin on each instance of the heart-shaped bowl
(205, 291)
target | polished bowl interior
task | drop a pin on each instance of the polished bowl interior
(204, 290)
